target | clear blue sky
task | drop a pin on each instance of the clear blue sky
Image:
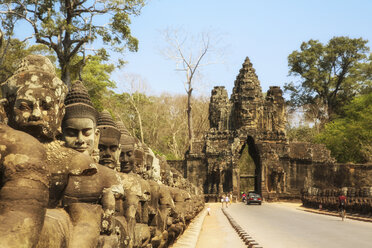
(265, 31)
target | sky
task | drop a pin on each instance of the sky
(266, 31)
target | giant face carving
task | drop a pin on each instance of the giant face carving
(80, 134)
(38, 112)
(35, 98)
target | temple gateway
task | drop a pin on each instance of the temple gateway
(246, 148)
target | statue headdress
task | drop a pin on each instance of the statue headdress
(78, 103)
(107, 126)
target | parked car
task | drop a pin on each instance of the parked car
(254, 198)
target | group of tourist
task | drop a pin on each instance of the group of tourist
(73, 177)
(226, 199)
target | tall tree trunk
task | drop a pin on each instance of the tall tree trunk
(189, 115)
(140, 125)
(65, 73)
(138, 116)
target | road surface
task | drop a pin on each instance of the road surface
(284, 225)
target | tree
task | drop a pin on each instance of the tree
(350, 138)
(163, 119)
(67, 26)
(190, 55)
(136, 99)
(96, 77)
(330, 75)
(14, 51)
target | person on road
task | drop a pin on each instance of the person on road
(227, 200)
(222, 200)
(342, 205)
(243, 197)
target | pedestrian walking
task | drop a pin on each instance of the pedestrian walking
(222, 200)
(227, 200)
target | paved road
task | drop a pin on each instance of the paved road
(282, 225)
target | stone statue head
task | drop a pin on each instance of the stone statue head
(127, 142)
(3, 116)
(166, 205)
(139, 155)
(109, 141)
(35, 98)
(148, 160)
(79, 125)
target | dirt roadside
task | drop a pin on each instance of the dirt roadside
(217, 232)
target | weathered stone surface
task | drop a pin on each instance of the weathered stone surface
(89, 205)
(359, 199)
(24, 188)
(219, 109)
(35, 98)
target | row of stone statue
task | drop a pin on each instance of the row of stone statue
(347, 191)
(109, 190)
(358, 200)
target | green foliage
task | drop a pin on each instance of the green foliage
(13, 51)
(301, 134)
(66, 26)
(331, 75)
(96, 77)
(350, 138)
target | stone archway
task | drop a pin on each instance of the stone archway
(249, 168)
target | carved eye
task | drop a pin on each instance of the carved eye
(70, 132)
(113, 148)
(45, 105)
(87, 132)
(129, 154)
(101, 148)
(24, 106)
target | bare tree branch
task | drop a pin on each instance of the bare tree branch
(190, 60)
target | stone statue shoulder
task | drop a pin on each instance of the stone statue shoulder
(20, 153)
(61, 159)
(131, 183)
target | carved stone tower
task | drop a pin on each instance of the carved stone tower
(219, 109)
(246, 98)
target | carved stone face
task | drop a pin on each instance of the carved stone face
(166, 200)
(127, 159)
(80, 134)
(38, 112)
(108, 149)
(139, 161)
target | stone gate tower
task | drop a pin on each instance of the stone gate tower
(249, 125)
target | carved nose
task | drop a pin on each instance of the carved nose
(80, 138)
(36, 114)
(107, 153)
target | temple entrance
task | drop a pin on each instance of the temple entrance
(250, 169)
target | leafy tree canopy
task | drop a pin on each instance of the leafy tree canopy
(14, 51)
(96, 77)
(67, 26)
(301, 134)
(350, 138)
(330, 75)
